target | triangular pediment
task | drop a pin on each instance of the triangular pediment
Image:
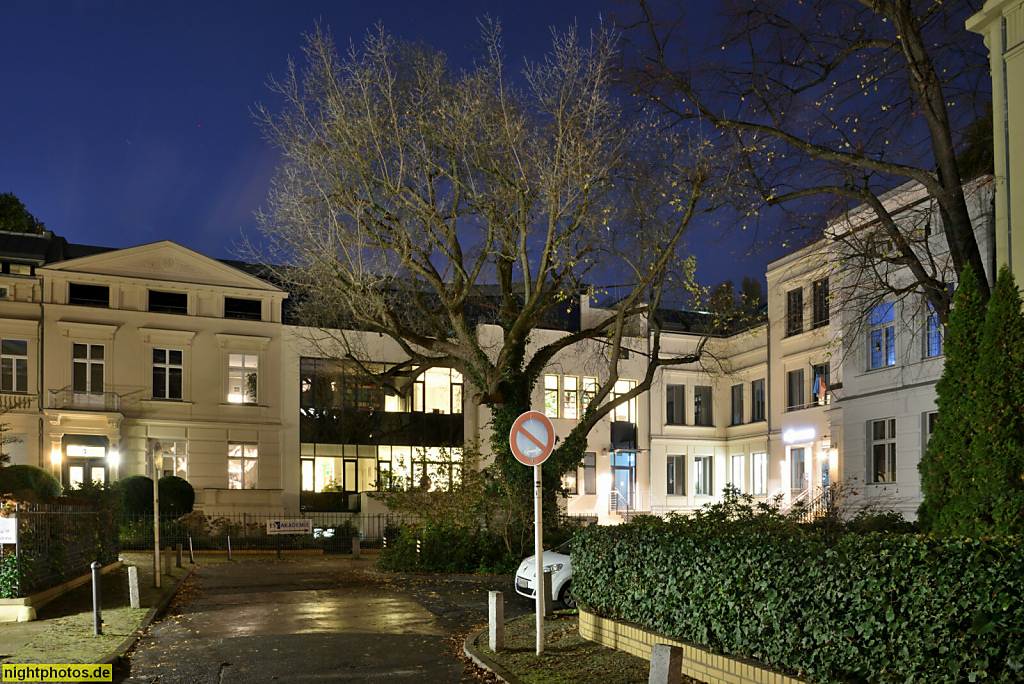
(166, 261)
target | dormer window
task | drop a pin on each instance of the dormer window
(89, 295)
(246, 309)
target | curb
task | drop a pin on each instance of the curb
(115, 655)
(469, 648)
(454, 578)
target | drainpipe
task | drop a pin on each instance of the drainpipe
(768, 400)
(40, 377)
(650, 444)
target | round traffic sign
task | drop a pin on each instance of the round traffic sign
(532, 438)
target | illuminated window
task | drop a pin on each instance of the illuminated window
(242, 378)
(932, 334)
(551, 396)
(759, 474)
(570, 398)
(736, 472)
(625, 411)
(798, 465)
(243, 460)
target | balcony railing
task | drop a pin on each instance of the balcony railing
(107, 402)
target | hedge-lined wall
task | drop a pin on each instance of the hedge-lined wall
(832, 608)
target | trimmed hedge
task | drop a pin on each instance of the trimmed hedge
(446, 548)
(831, 607)
(29, 482)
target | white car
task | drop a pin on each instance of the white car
(559, 563)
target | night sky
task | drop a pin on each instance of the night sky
(129, 122)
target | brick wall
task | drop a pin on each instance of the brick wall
(698, 662)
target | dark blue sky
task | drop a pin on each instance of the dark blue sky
(129, 122)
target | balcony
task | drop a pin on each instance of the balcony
(63, 399)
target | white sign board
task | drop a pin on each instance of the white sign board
(9, 530)
(294, 526)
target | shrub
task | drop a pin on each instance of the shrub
(30, 483)
(832, 606)
(136, 494)
(447, 548)
(176, 495)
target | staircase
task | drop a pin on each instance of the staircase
(644, 503)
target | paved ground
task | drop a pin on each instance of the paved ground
(311, 620)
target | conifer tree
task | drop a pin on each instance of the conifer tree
(945, 469)
(996, 502)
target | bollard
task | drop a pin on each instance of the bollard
(133, 586)
(167, 561)
(97, 619)
(178, 551)
(229, 547)
(156, 567)
(549, 601)
(496, 621)
(666, 664)
(191, 553)
(278, 546)
(355, 547)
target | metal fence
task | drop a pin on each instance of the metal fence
(248, 532)
(58, 543)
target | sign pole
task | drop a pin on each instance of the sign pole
(538, 543)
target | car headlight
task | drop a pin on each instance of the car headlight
(554, 567)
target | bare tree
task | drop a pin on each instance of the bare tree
(841, 99)
(418, 202)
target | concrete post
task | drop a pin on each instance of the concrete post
(549, 600)
(191, 553)
(133, 586)
(167, 561)
(666, 664)
(496, 620)
(355, 546)
(229, 547)
(97, 618)
(178, 555)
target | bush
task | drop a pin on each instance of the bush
(447, 548)
(136, 494)
(176, 496)
(29, 483)
(832, 606)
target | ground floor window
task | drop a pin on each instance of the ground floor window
(759, 474)
(883, 450)
(171, 457)
(366, 467)
(676, 476)
(703, 476)
(590, 473)
(736, 472)
(798, 463)
(243, 462)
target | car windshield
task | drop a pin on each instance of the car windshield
(564, 548)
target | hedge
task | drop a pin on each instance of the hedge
(830, 607)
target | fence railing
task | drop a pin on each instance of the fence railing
(331, 532)
(56, 543)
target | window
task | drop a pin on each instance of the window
(795, 390)
(703, 480)
(589, 391)
(759, 474)
(883, 450)
(736, 472)
(551, 396)
(675, 405)
(676, 476)
(794, 312)
(569, 481)
(590, 473)
(173, 457)
(242, 373)
(436, 390)
(820, 393)
(243, 460)
(13, 366)
(702, 408)
(88, 368)
(737, 405)
(167, 373)
(246, 309)
(89, 295)
(882, 337)
(930, 419)
(21, 269)
(798, 463)
(168, 302)
(626, 411)
(570, 398)
(757, 401)
(819, 314)
(932, 334)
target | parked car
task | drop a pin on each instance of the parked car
(558, 561)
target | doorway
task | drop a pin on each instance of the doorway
(624, 478)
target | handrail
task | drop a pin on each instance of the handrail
(84, 401)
